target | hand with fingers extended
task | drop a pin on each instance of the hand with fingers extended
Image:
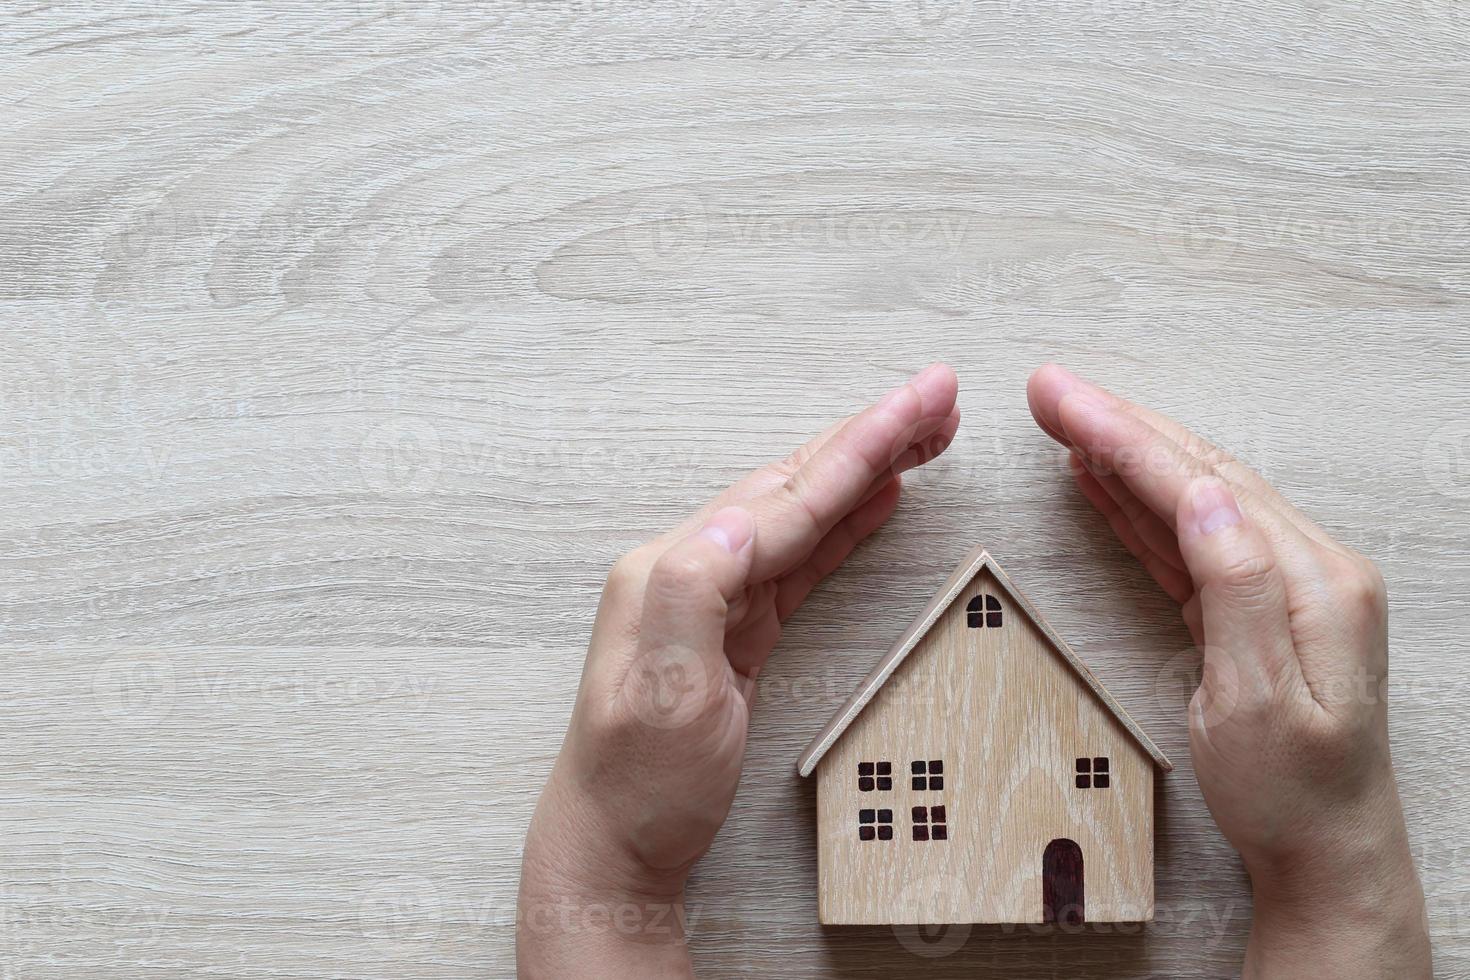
(652, 756)
(1289, 727)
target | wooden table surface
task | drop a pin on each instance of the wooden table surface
(346, 343)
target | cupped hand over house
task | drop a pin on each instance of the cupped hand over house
(653, 753)
(1288, 729)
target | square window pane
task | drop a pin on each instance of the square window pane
(865, 769)
(992, 620)
(1100, 780)
(936, 783)
(940, 831)
(885, 816)
(920, 782)
(865, 833)
(1084, 765)
(1084, 781)
(974, 620)
(885, 769)
(921, 832)
(936, 767)
(866, 816)
(1100, 764)
(885, 782)
(865, 784)
(936, 813)
(917, 767)
(921, 814)
(885, 832)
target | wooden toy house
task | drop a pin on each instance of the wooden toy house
(981, 773)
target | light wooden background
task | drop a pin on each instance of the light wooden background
(344, 344)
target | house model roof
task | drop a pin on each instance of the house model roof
(974, 563)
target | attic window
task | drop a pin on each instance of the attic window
(875, 824)
(1093, 773)
(983, 611)
(875, 775)
(928, 775)
(929, 823)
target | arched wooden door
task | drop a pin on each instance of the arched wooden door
(1061, 883)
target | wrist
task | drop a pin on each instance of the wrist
(587, 905)
(1351, 906)
(580, 842)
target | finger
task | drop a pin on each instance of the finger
(1157, 471)
(1243, 599)
(691, 585)
(1192, 620)
(881, 441)
(1152, 530)
(749, 646)
(772, 475)
(1174, 581)
(929, 440)
(834, 548)
(1051, 383)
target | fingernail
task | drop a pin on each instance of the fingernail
(915, 379)
(1214, 506)
(730, 528)
(750, 685)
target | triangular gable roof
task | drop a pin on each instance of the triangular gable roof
(977, 561)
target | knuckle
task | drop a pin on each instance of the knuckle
(630, 571)
(794, 494)
(1328, 742)
(1252, 577)
(1356, 582)
(1357, 588)
(679, 574)
(1334, 739)
(1208, 453)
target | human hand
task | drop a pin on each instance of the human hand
(652, 756)
(1289, 728)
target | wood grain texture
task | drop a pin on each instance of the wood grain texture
(346, 343)
(1007, 717)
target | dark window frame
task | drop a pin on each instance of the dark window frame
(983, 611)
(875, 823)
(875, 777)
(1093, 772)
(927, 775)
(930, 823)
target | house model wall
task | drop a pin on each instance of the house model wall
(982, 774)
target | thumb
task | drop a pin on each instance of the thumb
(1242, 592)
(691, 585)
